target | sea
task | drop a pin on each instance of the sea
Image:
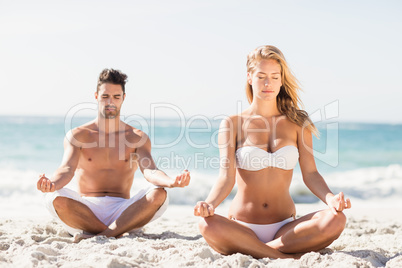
(364, 160)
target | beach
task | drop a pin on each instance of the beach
(371, 239)
(189, 66)
(370, 177)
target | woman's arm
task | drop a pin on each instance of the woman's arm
(227, 172)
(312, 178)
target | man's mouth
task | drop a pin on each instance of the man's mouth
(109, 108)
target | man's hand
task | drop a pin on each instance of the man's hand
(337, 203)
(203, 209)
(181, 180)
(45, 185)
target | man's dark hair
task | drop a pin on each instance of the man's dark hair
(112, 76)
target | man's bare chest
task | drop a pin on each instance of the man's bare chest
(106, 157)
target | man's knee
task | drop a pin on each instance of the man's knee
(157, 196)
(61, 203)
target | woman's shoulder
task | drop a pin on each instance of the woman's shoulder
(289, 125)
(284, 120)
(283, 123)
(231, 120)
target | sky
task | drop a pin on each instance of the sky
(188, 58)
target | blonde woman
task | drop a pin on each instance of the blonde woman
(260, 148)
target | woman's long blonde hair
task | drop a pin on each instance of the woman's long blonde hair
(288, 100)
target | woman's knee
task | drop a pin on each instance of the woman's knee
(203, 226)
(208, 226)
(214, 234)
(333, 225)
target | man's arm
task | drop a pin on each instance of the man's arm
(65, 172)
(153, 174)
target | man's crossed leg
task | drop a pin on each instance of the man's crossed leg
(85, 217)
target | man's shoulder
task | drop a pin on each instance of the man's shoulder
(136, 136)
(83, 133)
(132, 131)
(85, 129)
(138, 132)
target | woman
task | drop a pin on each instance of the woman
(260, 147)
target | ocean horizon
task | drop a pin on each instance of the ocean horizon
(364, 160)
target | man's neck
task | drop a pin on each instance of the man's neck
(105, 125)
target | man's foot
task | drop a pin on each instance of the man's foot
(81, 236)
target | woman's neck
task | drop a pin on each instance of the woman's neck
(264, 108)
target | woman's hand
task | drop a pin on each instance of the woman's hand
(337, 203)
(203, 209)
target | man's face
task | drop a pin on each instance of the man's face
(110, 98)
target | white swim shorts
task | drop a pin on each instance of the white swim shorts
(106, 208)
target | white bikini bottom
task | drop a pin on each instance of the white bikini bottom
(265, 232)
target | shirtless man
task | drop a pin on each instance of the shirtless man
(103, 155)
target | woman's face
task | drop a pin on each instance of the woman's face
(266, 80)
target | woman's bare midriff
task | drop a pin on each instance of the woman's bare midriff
(263, 196)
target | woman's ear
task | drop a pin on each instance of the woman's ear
(249, 79)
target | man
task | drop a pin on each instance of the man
(103, 155)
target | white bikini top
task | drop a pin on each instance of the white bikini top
(253, 158)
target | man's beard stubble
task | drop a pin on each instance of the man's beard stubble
(110, 114)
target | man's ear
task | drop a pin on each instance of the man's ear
(96, 94)
(124, 96)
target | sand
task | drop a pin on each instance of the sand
(372, 238)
